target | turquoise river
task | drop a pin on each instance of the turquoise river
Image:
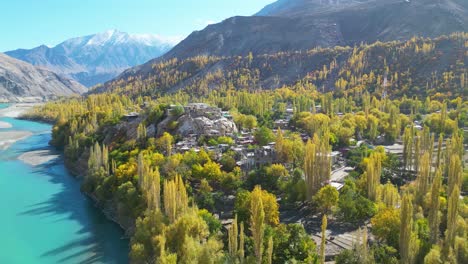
(44, 218)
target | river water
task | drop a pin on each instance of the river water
(44, 218)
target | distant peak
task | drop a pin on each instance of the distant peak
(115, 36)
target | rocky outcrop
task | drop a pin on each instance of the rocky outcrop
(205, 126)
(199, 119)
(23, 82)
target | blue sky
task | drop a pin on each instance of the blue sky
(30, 23)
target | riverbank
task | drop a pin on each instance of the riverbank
(16, 110)
(39, 157)
(53, 222)
(9, 137)
(5, 125)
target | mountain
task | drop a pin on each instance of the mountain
(417, 67)
(309, 7)
(288, 25)
(97, 58)
(19, 80)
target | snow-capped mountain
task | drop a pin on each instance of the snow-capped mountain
(97, 58)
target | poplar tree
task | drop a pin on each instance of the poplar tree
(257, 222)
(388, 195)
(270, 250)
(170, 200)
(317, 163)
(149, 181)
(372, 175)
(175, 198)
(241, 243)
(423, 178)
(454, 173)
(417, 152)
(310, 169)
(324, 239)
(452, 215)
(408, 137)
(232, 239)
(155, 190)
(433, 218)
(406, 217)
(141, 132)
(280, 145)
(439, 151)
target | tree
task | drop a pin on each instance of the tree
(406, 233)
(257, 222)
(388, 195)
(434, 218)
(263, 136)
(175, 198)
(241, 243)
(164, 143)
(326, 198)
(317, 164)
(352, 206)
(386, 226)
(408, 137)
(423, 178)
(433, 257)
(292, 243)
(452, 215)
(324, 239)
(141, 132)
(149, 181)
(270, 250)
(232, 239)
(243, 206)
(454, 174)
(372, 175)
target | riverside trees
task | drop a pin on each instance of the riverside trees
(156, 192)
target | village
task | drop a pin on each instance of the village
(197, 123)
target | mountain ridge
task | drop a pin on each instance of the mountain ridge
(19, 80)
(418, 67)
(290, 25)
(94, 59)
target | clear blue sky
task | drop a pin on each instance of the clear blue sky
(30, 23)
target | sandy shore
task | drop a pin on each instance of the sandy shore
(7, 138)
(35, 158)
(16, 110)
(5, 125)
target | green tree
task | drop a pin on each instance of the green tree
(292, 243)
(326, 198)
(352, 206)
(263, 136)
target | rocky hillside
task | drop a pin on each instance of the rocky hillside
(290, 25)
(417, 67)
(97, 58)
(22, 81)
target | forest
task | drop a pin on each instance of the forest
(202, 206)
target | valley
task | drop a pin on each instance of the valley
(313, 131)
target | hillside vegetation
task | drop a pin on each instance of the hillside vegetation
(417, 67)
